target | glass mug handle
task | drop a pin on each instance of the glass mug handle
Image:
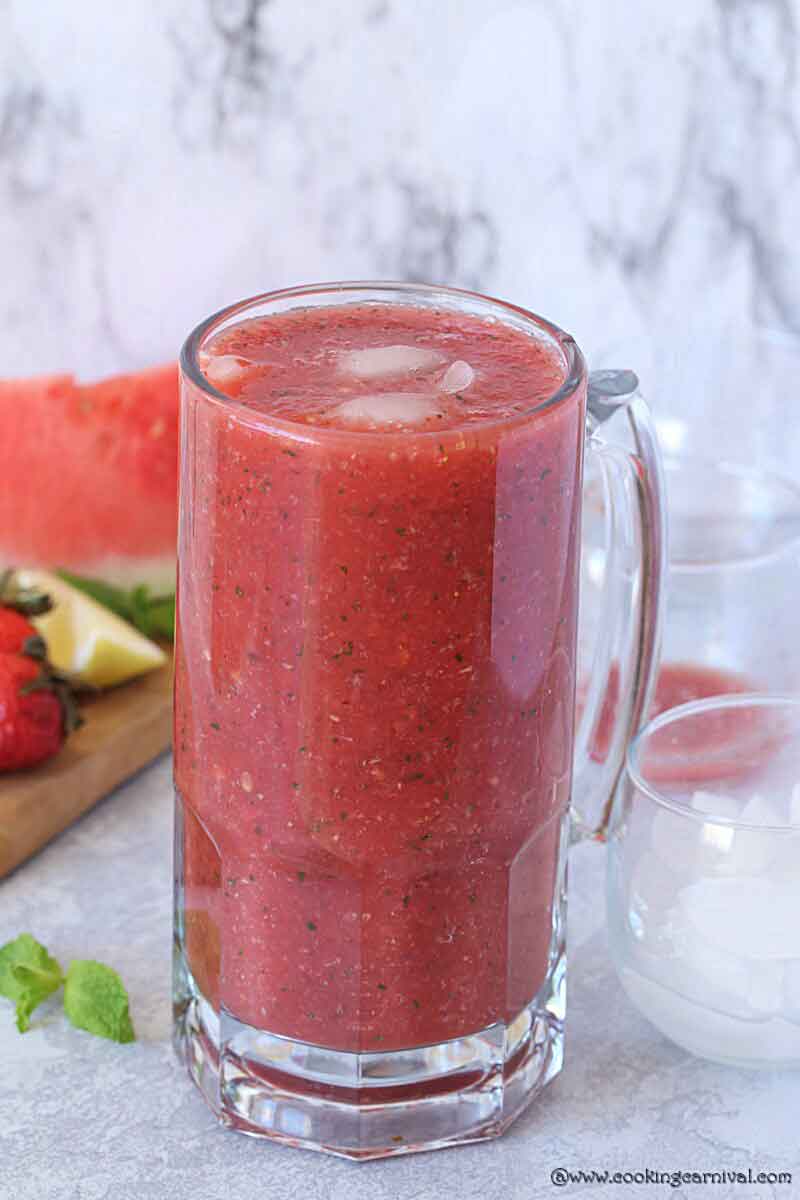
(620, 436)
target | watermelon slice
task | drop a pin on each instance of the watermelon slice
(89, 476)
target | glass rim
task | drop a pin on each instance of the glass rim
(693, 708)
(575, 364)
(675, 459)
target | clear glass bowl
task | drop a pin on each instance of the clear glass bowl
(704, 878)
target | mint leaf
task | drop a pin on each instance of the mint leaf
(28, 975)
(161, 615)
(153, 615)
(104, 593)
(95, 1000)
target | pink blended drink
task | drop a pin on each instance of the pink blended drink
(390, 615)
(374, 712)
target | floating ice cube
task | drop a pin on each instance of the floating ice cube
(388, 408)
(749, 916)
(458, 376)
(378, 362)
(223, 368)
(716, 805)
(791, 990)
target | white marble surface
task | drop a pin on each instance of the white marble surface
(629, 170)
(84, 1119)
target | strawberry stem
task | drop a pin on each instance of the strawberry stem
(29, 601)
(35, 647)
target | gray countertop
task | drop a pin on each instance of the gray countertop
(84, 1119)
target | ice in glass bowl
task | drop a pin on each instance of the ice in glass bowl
(704, 885)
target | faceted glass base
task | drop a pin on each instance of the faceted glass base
(364, 1106)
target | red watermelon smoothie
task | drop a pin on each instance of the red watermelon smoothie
(731, 742)
(375, 669)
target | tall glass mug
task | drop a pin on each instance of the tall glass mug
(375, 675)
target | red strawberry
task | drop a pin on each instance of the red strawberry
(31, 722)
(15, 629)
(37, 708)
(17, 634)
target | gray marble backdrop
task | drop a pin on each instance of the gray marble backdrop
(627, 167)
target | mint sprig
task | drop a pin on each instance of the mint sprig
(153, 615)
(95, 998)
(28, 975)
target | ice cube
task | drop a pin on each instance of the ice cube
(378, 362)
(458, 376)
(750, 916)
(673, 839)
(651, 903)
(765, 986)
(784, 1042)
(791, 990)
(220, 369)
(784, 861)
(387, 408)
(753, 850)
(707, 974)
(687, 845)
(708, 1032)
(759, 811)
(716, 805)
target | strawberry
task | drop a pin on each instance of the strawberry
(15, 629)
(31, 721)
(16, 605)
(37, 709)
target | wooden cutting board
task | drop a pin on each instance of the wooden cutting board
(124, 730)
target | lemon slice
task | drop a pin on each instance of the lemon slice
(88, 641)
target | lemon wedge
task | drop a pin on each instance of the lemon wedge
(88, 641)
